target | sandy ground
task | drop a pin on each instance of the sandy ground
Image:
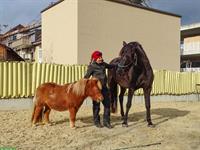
(177, 128)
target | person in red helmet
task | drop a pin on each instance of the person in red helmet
(97, 69)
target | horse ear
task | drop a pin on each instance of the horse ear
(124, 43)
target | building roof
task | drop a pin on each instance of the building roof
(18, 27)
(10, 51)
(190, 26)
(124, 3)
(190, 30)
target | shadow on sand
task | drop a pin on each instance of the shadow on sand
(162, 115)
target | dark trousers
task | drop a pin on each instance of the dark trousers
(106, 104)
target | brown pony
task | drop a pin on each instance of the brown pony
(64, 97)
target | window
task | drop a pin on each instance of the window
(196, 64)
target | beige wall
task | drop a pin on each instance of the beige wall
(36, 53)
(72, 29)
(104, 25)
(59, 33)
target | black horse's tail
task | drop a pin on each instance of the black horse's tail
(113, 97)
(113, 86)
(114, 106)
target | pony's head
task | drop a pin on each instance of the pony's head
(93, 89)
(128, 56)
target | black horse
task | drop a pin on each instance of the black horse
(133, 72)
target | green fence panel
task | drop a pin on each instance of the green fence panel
(29, 76)
(54, 73)
(33, 80)
(51, 73)
(5, 79)
(15, 80)
(70, 74)
(47, 73)
(23, 80)
(66, 74)
(20, 79)
(10, 81)
(1, 79)
(43, 73)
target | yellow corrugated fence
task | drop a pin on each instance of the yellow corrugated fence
(20, 79)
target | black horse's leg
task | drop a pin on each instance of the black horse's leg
(128, 106)
(121, 98)
(147, 93)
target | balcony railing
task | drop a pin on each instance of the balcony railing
(21, 43)
(190, 69)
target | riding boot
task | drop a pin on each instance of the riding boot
(106, 118)
(96, 117)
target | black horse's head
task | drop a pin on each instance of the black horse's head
(128, 56)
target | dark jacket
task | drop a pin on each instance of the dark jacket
(98, 71)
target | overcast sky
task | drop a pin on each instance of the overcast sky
(14, 12)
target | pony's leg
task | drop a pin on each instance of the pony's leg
(47, 111)
(121, 99)
(147, 93)
(72, 114)
(128, 106)
(37, 114)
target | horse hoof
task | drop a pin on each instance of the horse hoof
(73, 127)
(124, 125)
(33, 125)
(122, 118)
(151, 125)
(48, 124)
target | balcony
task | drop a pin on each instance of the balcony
(190, 69)
(190, 48)
(23, 42)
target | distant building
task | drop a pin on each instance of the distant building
(24, 40)
(190, 47)
(72, 29)
(8, 54)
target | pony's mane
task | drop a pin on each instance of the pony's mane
(78, 87)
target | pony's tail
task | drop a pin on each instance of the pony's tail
(34, 107)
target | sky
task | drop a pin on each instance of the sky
(188, 9)
(14, 12)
